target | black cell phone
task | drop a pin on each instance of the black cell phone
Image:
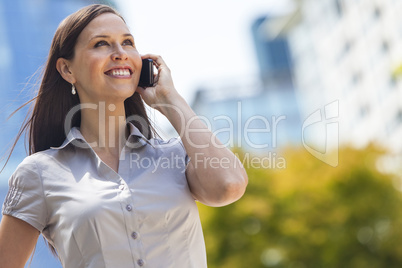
(147, 73)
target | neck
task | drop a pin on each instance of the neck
(105, 127)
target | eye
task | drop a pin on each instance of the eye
(128, 42)
(101, 43)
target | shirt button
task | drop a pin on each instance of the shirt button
(134, 235)
(140, 262)
(129, 207)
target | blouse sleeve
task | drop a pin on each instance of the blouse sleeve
(25, 198)
(185, 155)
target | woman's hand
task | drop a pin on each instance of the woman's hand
(208, 184)
(163, 91)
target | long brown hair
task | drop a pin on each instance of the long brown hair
(45, 124)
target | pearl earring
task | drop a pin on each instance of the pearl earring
(73, 89)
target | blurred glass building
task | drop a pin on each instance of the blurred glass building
(26, 30)
(259, 113)
(349, 51)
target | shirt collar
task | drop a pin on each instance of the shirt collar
(135, 139)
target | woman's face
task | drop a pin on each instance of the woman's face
(106, 64)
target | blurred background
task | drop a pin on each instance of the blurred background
(307, 93)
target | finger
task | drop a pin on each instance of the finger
(156, 79)
(156, 58)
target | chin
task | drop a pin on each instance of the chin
(123, 92)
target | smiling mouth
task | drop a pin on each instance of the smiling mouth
(119, 73)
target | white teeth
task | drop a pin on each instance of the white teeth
(121, 72)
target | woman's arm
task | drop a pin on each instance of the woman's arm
(215, 175)
(17, 241)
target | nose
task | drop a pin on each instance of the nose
(119, 53)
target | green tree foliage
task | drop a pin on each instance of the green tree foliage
(310, 215)
(397, 73)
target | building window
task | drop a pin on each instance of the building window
(393, 81)
(357, 78)
(377, 12)
(385, 46)
(398, 117)
(339, 7)
(364, 111)
(347, 47)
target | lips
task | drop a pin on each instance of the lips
(120, 72)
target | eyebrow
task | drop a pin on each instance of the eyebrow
(108, 36)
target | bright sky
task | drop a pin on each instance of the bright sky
(201, 41)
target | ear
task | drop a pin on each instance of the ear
(63, 67)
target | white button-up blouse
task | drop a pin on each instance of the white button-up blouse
(142, 216)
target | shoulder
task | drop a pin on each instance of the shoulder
(165, 142)
(168, 145)
(32, 164)
(27, 173)
(25, 198)
(172, 148)
(28, 165)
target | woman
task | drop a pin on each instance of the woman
(97, 185)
